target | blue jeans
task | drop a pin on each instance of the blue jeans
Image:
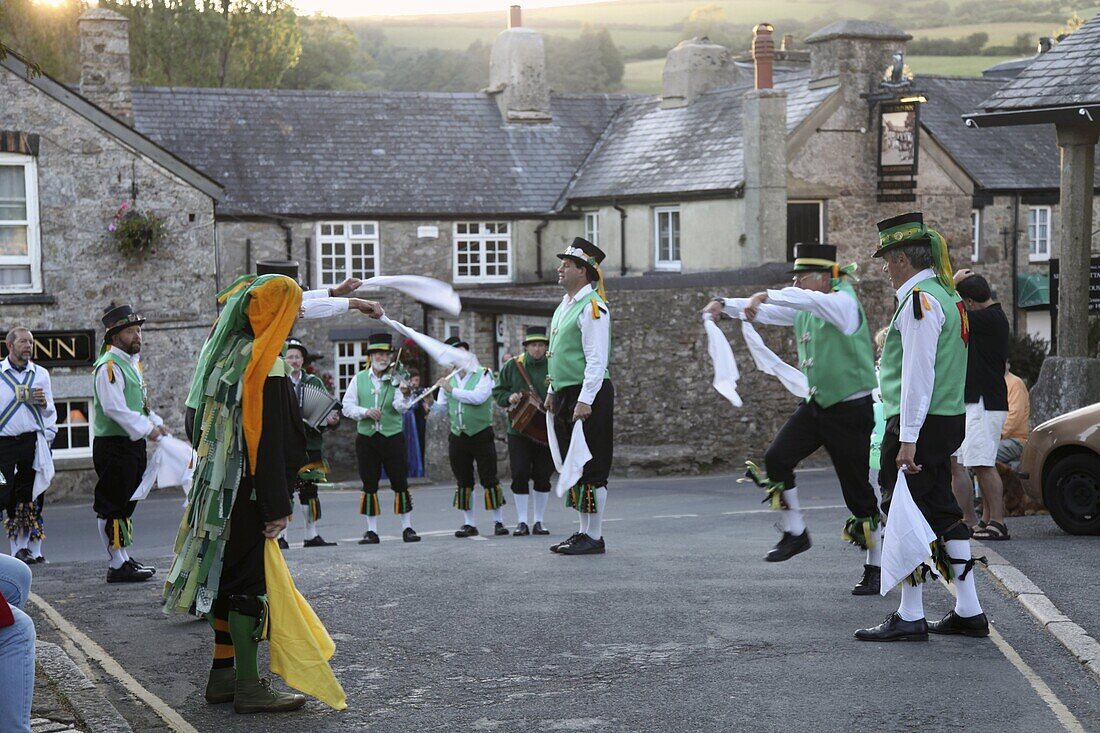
(16, 649)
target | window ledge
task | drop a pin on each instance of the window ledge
(27, 299)
(1038, 258)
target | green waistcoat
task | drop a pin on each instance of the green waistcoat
(566, 353)
(947, 391)
(836, 366)
(468, 419)
(511, 381)
(133, 390)
(391, 423)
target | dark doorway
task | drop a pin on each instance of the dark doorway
(803, 225)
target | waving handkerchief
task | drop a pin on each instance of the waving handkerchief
(435, 293)
(725, 366)
(905, 544)
(437, 350)
(172, 464)
(767, 362)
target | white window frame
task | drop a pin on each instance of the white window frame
(64, 407)
(33, 258)
(1035, 253)
(975, 234)
(355, 359)
(669, 264)
(592, 226)
(451, 328)
(481, 238)
(328, 277)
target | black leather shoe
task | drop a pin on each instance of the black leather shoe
(318, 541)
(25, 555)
(564, 543)
(500, 530)
(584, 545)
(369, 538)
(539, 529)
(128, 574)
(41, 560)
(410, 535)
(283, 544)
(466, 530)
(953, 623)
(789, 546)
(140, 566)
(895, 628)
(869, 586)
(521, 530)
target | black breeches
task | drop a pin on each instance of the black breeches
(119, 463)
(466, 450)
(598, 430)
(529, 462)
(375, 452)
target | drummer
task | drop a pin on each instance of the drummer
(529, 457)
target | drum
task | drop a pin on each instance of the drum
(317, 405)
(529, 418)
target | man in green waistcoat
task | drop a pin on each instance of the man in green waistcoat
(581, 388)
(923, 375)
(837, 357)
(529, 459)
(122, 422)
(466, 397)
(377, 399)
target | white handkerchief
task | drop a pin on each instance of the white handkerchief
(172, 464)
(42, 465)
(725, 365)
(906, 539)
(767, 362)
(575, 458)
(552, 439)
(428, 290)
(436, 349)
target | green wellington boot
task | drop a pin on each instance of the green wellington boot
(221, 685)
(257, 696)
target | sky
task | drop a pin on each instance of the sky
(358, 8)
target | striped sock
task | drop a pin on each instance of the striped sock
(223, 645)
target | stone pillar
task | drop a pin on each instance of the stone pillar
(1078, 144)
(765, 160)
(692, 68)
(105, 62)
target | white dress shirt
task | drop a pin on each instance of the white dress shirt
(23, 420)
(837, 308)
(476, 396)
(112, 398)
(595, 341)
(919, 343)
(318, 304)
(352, 409)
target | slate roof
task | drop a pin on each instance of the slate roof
(306, 153)
(650, 151)
(1068, 74)
(997, 158)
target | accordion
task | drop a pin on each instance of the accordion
(317, 406)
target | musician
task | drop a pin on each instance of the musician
(316, 470)
(377, 398)
(581, 389)
(530, 459)
(466, 398)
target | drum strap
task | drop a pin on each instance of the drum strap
(523, 373)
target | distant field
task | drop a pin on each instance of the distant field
(460, 37)
(643, 76)
(1000, 34)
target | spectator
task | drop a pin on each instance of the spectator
(1014, 433)
(16, 647)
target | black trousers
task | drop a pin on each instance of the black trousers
(17, 465)
(940, 436)
(466, 450)
(243, 561)
(598, 430)
(844, 429)
(119, 463)
(530, 462)
(375, 452)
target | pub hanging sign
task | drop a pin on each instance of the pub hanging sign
(60, 348)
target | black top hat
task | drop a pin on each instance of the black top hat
(900, 231)
(814, 257)
(457, 343)
(278, 267)
(535, 334)
(293, 343)
(380, 342)
(117, 317)
(587, 254)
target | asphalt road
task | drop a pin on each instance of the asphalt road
(680, 627)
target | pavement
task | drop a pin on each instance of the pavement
(680, 627)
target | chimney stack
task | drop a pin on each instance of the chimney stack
(105, 62)
(692, 68)
(763, 56)
(1045, 44)
(515, 17)
(788, 42)
(517, 73)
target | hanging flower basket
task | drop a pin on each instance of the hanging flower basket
(136, 233)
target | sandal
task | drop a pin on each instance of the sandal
(993, 531)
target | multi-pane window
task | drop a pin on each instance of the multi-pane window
(74, 434)
(20, 269)
(805, 224)
(349, 359)
(483, 251)
(666, 229)
(346, 249)
(1038, 232)
(592, 227)
(975, 234)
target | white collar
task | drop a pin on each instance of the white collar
(912, 282)
(580, 294)
(6, 365)
(133, 360)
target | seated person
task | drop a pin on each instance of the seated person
(16, 647)
(1015, 431)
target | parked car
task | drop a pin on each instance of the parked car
(1060, 467)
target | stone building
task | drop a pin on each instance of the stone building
(702, 190)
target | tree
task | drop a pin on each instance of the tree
(264, 42)
(331, 57)
(46, 36)
(589, 63)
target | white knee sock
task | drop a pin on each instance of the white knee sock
(468, 517)
(35, 546)
(102, 538)
(372, 524)
(125, 554)
(912, 602)
(406, 520)
(498, 515)
(541, 497)
(14, 545)
(874, 554)
(583, 522)
(795, 525)
(311, 527)
(521, 507)
(282, 534)
(595, 521)
(966, 593)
